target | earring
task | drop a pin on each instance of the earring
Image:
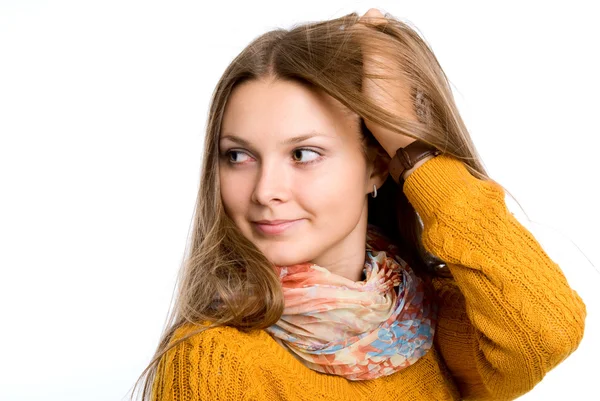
(374, 193)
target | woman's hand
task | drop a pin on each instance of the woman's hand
(389, 94)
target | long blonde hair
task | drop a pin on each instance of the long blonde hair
(224, 279)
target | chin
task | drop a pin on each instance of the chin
(286, 257)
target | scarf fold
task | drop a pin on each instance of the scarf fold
(359, 330)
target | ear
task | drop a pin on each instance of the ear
(379, 170)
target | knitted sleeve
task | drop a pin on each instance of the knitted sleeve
(207, 366)
(508, 316)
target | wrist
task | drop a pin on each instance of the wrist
(389, 140)
(407, 173)
(410, 158)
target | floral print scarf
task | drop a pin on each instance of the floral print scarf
(360, 330)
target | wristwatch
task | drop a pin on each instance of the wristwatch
(406, 157)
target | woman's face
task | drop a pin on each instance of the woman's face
(289, 153)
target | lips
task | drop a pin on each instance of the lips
(272, 221)
(274, 227)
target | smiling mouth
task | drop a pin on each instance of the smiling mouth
(275, 229)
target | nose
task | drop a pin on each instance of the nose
(272, 184)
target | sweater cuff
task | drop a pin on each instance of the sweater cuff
(444, 181)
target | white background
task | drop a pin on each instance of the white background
(102, 110)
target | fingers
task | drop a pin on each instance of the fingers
(373, 16)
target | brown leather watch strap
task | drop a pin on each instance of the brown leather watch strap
(406, 157)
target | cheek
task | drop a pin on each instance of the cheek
(234, 194)
(337, 195)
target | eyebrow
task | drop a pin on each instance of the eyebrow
(289, 141)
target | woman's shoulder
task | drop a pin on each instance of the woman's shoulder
(201, 334)
(205, 362)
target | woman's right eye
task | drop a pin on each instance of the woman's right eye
(234, 157)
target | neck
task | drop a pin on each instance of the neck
(347, 257)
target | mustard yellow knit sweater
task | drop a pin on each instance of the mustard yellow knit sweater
(507, 316)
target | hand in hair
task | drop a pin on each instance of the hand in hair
(382, 82)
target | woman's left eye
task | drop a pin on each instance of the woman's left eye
(313, 155)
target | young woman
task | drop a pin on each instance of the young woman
(348, 243)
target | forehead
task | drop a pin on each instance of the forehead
(281, 109)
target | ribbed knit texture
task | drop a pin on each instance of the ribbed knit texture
(506, 317)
